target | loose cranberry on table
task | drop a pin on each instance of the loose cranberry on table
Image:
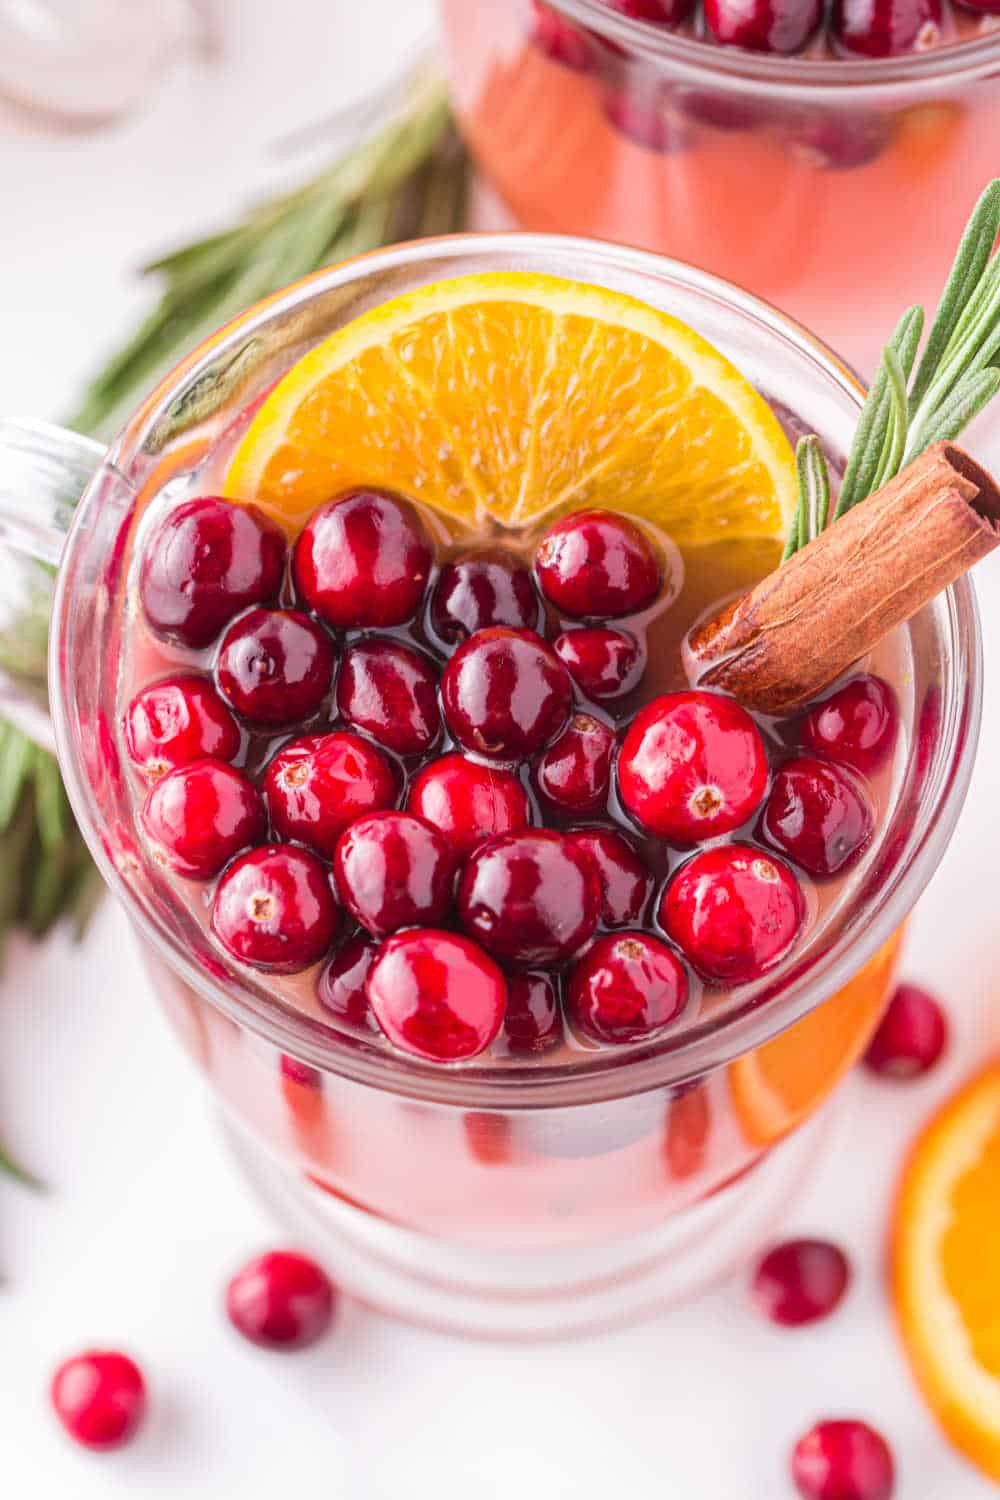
(627, 988)
(596, 564)
(437, 995)
(488, 588)
(819, 815)
(530, 898)
(506, 693)
(363, 561)
(389, 690)
(281, 1300)
(100, 1398)
(176, 721)
(340, 988)
(626, 883)
(532, 1022)
(205, 562)
(911, 1036)
(692, 766)
(394, 870)
(843, 1460)
(884, 28)
(316, 786)
(200, 816)
(604, 663)
(764, 25)
(858, 725)
(800, 1281)
(468, 801)
(733, 911)
(274, 909)
(575, 772)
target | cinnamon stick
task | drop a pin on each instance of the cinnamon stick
(830, 603)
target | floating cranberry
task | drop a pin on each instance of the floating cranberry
(857, 725)
(363, 561)
(340, 988)
(532, 1022)
(394, 870)
(489, 588)
(530, 897)
(199, 816)
(646, 117)
(99, 1397)
(730, 105)
(575, 772)
(884, 28)
(436, 994)
(275, 666)
(597, 564)
(559, 39)
(300, 1073)
(281, 1300)
(693, 766)
(733, 911)
(205, 562)
(604, 663)
(274, 909)
(625, 881)
(173, 722)
(800, 1281)
(468, 801)
(818, 815)
(506, 693)
(911, 1036)
(317, 785)
(843, 1460)
(763, 25)
(843, 139)
(626, 988)
(390, 691)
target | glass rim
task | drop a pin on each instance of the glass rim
(610, 1073)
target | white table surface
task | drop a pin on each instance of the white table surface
(146, 1216)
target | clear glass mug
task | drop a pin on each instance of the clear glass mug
(821, 185)
(475, 1198)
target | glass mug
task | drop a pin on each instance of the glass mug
(813, 182)
(476, 1198)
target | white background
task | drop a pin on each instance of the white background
(146, 1217)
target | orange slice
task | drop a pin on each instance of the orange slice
(945, 1255)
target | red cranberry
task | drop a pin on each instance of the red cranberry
(206, 561)
(726, 107)
(506, 693)
(885, 28)
(763, 25)
(843, 1461)
(390, 691)
(857, 725)
(603, 663)
(281, 1300)
(488, 1137)
(625, 881)
(275, 666)
(173, 722)
(530, 897)
(693, 765)
(689, 1124)
(393, 870)
(559, 39)
(733, 911)
(575, 772)
(533, 1021)
(317, 785)
(469, 802)
(596, 563)
(489, 588)
(199, 816)
(436, 994)
(363, 561)
(99, 1397)
(626, 988)
(840, 140)
(911, 1036)
(300, 1073)
(818, 815)
(800, 1281)
(274, 909)
(341, 985)
(644, 115)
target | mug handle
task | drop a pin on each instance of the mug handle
(44, 471)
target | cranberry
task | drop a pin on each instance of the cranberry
(800, 1281)
(488, 1137)
(390, 691)
(857, 725)
(727, 106)
(559, 39)
(206, 561)
(818, 815)
(393, 870)
(532, 1022)
(626, 988)
(174, 722)
(840, 140)
(689, 1123)
(469, 802)
(199, 816)
(843, 1461)
(733, 911)
(530, 897)
(603, 663)
(506, 693)
(300, 1073)
(341, 985)
(911, 1036)
(625, 881)
(489, 588)
(645, 117)
(693, 765)
(363, 560)
(763, 25)
(884, 28)
(275, 666)
(317, 785)
(274, 909)
(436, 994)
(596, 563)
(99, 1397)
(575, 772)
(281, 1300)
